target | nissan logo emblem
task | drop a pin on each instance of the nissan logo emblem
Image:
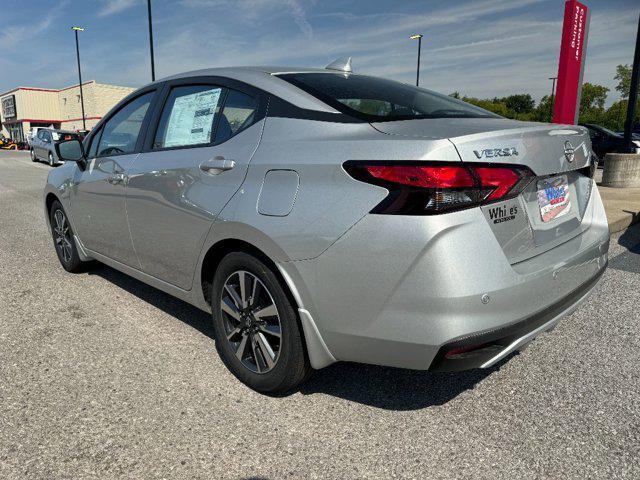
(568, 151)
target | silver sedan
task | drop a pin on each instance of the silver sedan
(324, 216)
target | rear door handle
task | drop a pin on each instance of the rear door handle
(217, 165)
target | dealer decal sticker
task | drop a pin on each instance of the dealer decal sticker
(503, 213)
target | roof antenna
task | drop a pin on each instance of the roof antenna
(343, 64)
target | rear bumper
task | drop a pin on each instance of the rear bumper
(485, 349)
(400, 291)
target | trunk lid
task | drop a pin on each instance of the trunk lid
(552, 208)
(539, 146)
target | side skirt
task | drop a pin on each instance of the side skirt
(184, 295)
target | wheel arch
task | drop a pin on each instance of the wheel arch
(217, 252)
(315, 347)
(48, 201)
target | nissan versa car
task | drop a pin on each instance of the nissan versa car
(324, 216)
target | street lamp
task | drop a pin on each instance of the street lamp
(419, 38)
(633, 95)
(76, 30)
(153, 67)
(551, 99)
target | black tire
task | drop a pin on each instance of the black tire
(63, 240)
(33, 155)
(52, 162)
(291, 366)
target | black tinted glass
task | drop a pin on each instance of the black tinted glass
(239, 113)
(378, 99)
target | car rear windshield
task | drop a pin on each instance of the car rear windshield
(63, 136)
(377, 100)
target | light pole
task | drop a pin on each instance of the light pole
(76, 30)
(419, 38)
(153, 67)
(633, 94)
(551, 99)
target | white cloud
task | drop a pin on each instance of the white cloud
(116, 6)
(253, 10)
(17, 33)
(299, 16)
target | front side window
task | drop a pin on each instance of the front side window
(93, 148)
(239, 113)
(121, 131)
(376, 99)
(188, 117)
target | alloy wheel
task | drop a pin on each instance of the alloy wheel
(62, 235)
(251, 321)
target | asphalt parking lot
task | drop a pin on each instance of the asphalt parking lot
(104, 377)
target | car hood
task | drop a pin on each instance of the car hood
(539, 146)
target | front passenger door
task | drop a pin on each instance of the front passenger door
(98, 194)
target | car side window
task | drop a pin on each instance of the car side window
(188, 116)
(93, 148)
(239, 113)
(120, 133)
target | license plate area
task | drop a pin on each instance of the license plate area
(553, 197)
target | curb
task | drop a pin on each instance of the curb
(620, 224)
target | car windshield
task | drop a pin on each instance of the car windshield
(376, 99)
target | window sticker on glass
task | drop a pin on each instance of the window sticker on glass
(191, 118)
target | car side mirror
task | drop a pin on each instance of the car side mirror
(71, 151)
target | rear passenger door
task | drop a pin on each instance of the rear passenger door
(195, 158)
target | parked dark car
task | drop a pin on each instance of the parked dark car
(634, 136)
(605, 141)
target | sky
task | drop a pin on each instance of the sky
(480, 48)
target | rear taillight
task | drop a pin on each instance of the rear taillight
(424, 188)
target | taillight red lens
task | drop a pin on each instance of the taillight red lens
(427, 188)
(425, 177)
(502, 179)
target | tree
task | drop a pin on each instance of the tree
(491, 105)
(615, 116)
(520, 103)
(593, 96)
(592, 104)
(544, 111)
(455, 94)
(623, 76)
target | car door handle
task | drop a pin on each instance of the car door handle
(217, 165)
(116, 178)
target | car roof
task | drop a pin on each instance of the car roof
(265, 79)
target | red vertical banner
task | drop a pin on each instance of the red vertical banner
(571, 65)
